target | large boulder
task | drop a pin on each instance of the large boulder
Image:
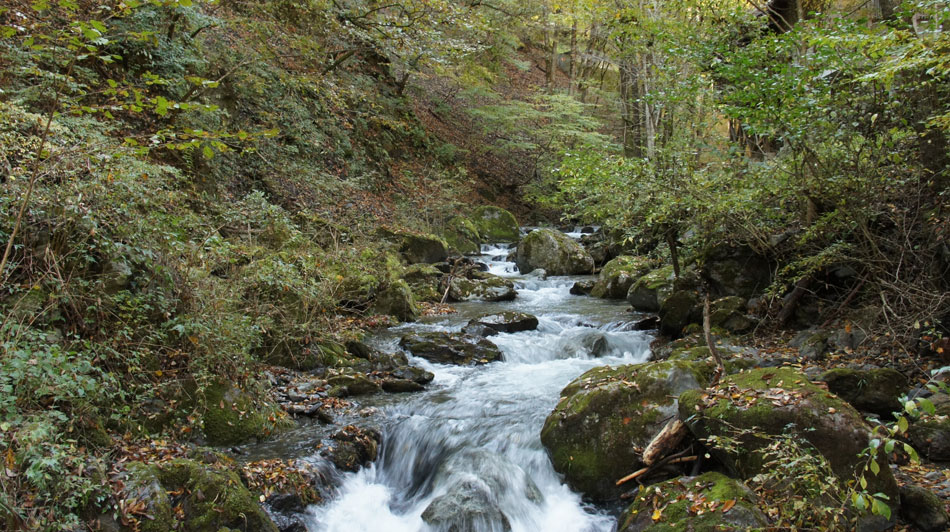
(652, 288)
(503, 322)
(495, 224)
(678, 310)
(757, 405)
(353, 447)
(931, 437)
(232, 416)
(418, 248)
(711, 501)
(737, 271)
(450, 348)
(608, 415)
(877, 390)
(425, 282)
(488, 288)
(728, 313)
(397, 300)
(462, 236)
(921, 508)
(619, 275)
(553, 251)
(468, 506)
(213, 499)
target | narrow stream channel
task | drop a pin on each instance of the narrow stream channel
(476, 429)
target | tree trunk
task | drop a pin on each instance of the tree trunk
(630, 110)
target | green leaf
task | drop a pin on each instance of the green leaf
(875, 467)
(208, 152)
(902, 424)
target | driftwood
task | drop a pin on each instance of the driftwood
(671, 459)
(667, 439)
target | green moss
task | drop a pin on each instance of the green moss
(142, 483)
(618, 275)
(231, 416)
(213, 498)
(495, 224)
(462, 235)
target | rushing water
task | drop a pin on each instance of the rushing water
(476, 429)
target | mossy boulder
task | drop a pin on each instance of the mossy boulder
(618, 276)
(759, 404)
(462, 236)
(728, 313)
(495, 224)
(233, 416)
(921, 508)
(931, 437)
(678, 310)
(604, 416)
(646, 293)
(693, 504)
(450, 348)
(877, 391)
(301, 356)
(737, 271)
(212, 499)
(397, 300)
(467, 506)
(554, 252)
(490, 288)
(350, 384)
(811, 344)
(353, 447)
(502, 322)
(424, 281)
(417, 248)
(142, 484)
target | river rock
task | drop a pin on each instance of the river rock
(414, 374)
(488, 289)
(140, 483)
(678, 310)
(232, 416)
(503, 322)
(646, 293)
(556, 252)
(211, 498)
(353, 447)
(604, 416)
(877, 391)
(677, 499)
(737, 271)
(467, 507)
(397, 300)
(418, 248)
(931, 437)
(619, 275)
(775, 401)
(394, 385)
(424, 280)
(582, 288)
(728, 313)
(462, 236)
(450, 348)
(495, 224)
(921, 508)
(348, 385)
(811, 344)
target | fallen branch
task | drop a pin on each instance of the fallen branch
(668, 438)
(671, 459)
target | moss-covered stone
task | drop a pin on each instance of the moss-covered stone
(921, 508)
(424, 281)
(679, 310)
(462, 236)
(877, 391)
(728, 313)
(931, 437)
(232, 416)
(618, 276)
(607, 413)
(737, 271)
(450, 348)
(651, 288)
(503, 322)
(212, 499)
(349, 384)
(693, 504)
(495, 224)
(397, 301)
(490, 288)
(303, 356)
(142, 484)
(760, 403)
(554, 252)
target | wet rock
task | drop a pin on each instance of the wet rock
(488, 289)
(595, 344)
(401, 386)
(414, 374)
(648, 292)
(397, 300)
(557, 253)
(619, 275)
(931, 438)
(467, 507)
(582, 288)
(784, 403)
(647, 324)
(353, 447)
(450, 348)
(877, 391)
(677, 495)
(607, 414)
(495, 224)
(923, 509)
(348, 385)
(505, 322)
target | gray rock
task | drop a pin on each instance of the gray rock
(923, 509)
(557, 253)
(450, 348)
(466, 507)
(506, 322)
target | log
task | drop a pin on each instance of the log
(665, 441)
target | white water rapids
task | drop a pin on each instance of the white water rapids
(478, 427)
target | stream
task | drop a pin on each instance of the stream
(476, 429)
